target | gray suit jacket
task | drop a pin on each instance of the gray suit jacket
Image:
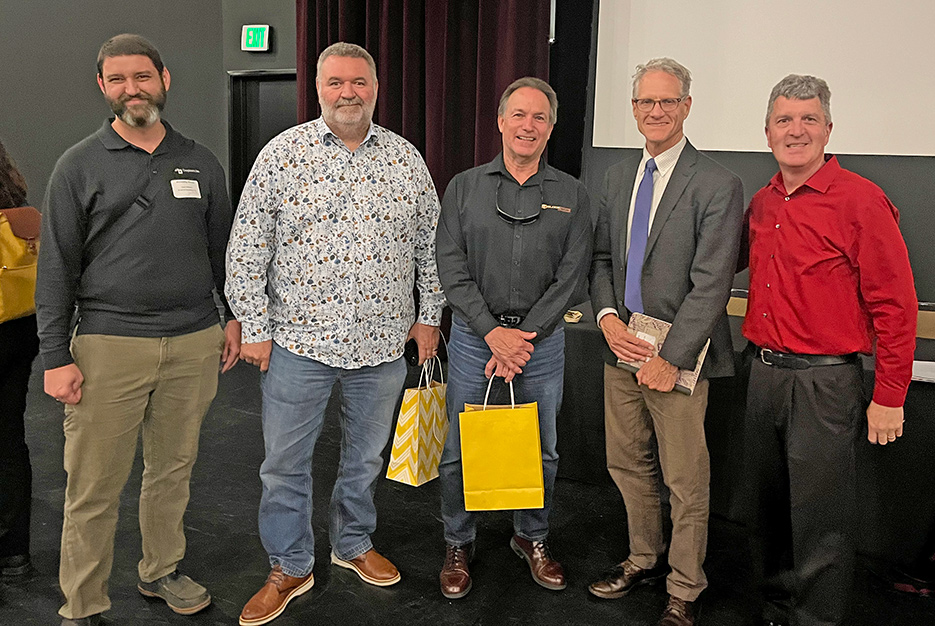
(691, 256)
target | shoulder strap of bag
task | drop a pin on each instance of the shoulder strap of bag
(95, 245)
(24, 221)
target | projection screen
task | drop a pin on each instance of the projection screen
(877, 56)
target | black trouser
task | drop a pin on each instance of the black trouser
(801, 429)
(18, 347)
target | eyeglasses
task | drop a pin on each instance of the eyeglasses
(647, 104)
(515, 219)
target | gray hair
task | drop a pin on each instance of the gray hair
(801, 87)
(344, 49)
(667, 65)
(535, 83)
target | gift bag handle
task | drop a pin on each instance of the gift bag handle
(428, 367)
(487, 395)
(428, 371)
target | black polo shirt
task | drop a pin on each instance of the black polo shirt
(151, 276)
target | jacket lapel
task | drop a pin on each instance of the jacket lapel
(683, 172)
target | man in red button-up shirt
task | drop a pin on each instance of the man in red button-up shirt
(829, 278)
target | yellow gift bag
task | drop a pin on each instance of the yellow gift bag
(19, 252)
(501, 456)
(420, 430)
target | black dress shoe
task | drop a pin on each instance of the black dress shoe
(624, 578)
(14, 566)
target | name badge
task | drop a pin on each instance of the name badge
(185, 188)
(563, 209)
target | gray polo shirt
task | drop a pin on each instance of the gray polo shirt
(150, 277)
(490, 267)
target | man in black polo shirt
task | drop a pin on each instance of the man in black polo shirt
(136, 220)
(513, 245)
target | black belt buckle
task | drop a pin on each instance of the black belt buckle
(510, 321)
(788, 361)
(804, 361)
(763, 352)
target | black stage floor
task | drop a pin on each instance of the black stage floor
(224, 551)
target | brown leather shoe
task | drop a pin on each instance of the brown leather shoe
(372, 568)
(623, 578)
(455, 577)
(545, 570)
(678, 612)
(273, 596)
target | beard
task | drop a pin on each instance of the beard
(139, 115)
(344, 113)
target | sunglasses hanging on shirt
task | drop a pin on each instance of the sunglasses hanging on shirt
(509, 218)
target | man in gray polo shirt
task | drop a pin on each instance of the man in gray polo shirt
(136, 220)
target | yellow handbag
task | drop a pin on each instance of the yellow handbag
(19, 252)
(501, 456)
(420, 430)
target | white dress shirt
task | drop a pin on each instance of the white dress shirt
(665, 165)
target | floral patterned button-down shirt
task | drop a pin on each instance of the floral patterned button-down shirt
(328, 243)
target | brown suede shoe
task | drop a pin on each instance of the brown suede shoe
(624, 578)
(455, 577)
(273, 596)
(372, 568)
(544, 569)
(678, 612)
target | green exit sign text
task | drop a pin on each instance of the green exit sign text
(255, 37)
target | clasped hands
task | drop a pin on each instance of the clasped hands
(656, 373)
(510, 349)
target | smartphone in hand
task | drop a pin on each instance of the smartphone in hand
(411, 352)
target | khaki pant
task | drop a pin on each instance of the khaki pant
(165, 384)
(638, 423)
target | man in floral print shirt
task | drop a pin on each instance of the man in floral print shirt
(335, 226)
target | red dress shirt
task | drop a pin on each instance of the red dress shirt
(829, 273)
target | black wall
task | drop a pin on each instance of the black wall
(49, 98)
(908, 181)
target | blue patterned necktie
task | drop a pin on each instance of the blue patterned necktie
(639, 234)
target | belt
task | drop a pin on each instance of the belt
(803, 361)
(510, 321)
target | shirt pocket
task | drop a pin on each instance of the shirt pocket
(555, 219)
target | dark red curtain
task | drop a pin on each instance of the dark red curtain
(441, 66)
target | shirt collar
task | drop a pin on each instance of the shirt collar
(819, 181)
(113, 141)
(545, 171)
(324, 131)
(666, 160)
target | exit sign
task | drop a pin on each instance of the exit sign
(255, 37)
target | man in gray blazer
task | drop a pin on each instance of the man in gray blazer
(666, 245)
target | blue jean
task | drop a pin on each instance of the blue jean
(541, 382)
(296, 390)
